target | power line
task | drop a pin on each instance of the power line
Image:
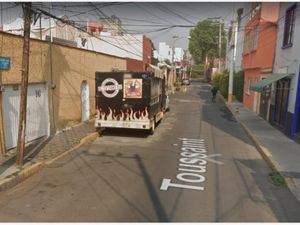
(174, 13)
(71, 23)
(103, 14)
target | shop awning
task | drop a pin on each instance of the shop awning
(258, 87)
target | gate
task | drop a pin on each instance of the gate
(281, 102)
(37, 121)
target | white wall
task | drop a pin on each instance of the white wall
(288, 59)
(240, 38)
(127, 46)
(164, 52)
(178, 56)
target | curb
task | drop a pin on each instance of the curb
(88, 139)
(267, 156)
(7, 183)
(265, 153)
(28, 171)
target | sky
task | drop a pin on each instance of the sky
(154, 19)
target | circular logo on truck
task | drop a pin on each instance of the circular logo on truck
(110, 87)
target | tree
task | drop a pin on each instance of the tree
(204, 40)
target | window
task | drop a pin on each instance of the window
(248, 42)
(255, 41)
(289, 27)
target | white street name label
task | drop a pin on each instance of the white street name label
(191, 166)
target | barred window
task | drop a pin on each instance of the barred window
(289, 27)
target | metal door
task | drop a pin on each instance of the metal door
(265, 102)
(37, 121)
(85, 101)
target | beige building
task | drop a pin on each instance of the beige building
(61, 89)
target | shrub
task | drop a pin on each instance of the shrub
(238, 85)
(198, 70)
(223, 85)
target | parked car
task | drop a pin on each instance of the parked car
(186, 81)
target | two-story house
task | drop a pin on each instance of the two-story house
(285, 101)
(258, 54)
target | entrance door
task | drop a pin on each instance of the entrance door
(264, 102)
(37, 113)
(85, 101)
(281, 102)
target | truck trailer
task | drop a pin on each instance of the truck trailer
(135, 100)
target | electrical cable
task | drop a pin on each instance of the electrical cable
(79, 28)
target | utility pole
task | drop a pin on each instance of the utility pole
(173, 60)
(220, 44)
(2, 136)
(232, 61)
(24, 84)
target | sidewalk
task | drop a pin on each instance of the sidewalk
(44, 152)
(281, 153)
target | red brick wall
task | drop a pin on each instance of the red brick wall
(135, 65)
(147, 50)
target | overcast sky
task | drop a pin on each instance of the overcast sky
(154, 19)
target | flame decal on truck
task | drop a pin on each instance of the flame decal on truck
(126, 115)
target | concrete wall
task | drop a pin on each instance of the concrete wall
(248, 99)
(70, 67)
(240, 38)
(287, 60)
(12, 46)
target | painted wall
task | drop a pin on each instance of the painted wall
(70, 66)
(248, 99)
(240, 38)
(261, 58)
(11, 46)
(263, 55)
(288, 59)
(126, 46)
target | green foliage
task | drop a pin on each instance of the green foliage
(197, 70)
(223, 85)
(204, 40)
(221, 82)
(238, 85)
(277, 179)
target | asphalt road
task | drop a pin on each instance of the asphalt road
(199, 166)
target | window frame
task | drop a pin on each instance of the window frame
(248, 43)
(288, 32)
(255, 37)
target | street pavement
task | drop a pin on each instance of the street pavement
(199, 166)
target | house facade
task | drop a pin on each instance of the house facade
(285, 99)
(242, 19)
(258, 54)
(61, 89)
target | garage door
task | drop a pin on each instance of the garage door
(37, 121)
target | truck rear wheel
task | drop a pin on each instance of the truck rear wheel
(151, 131)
